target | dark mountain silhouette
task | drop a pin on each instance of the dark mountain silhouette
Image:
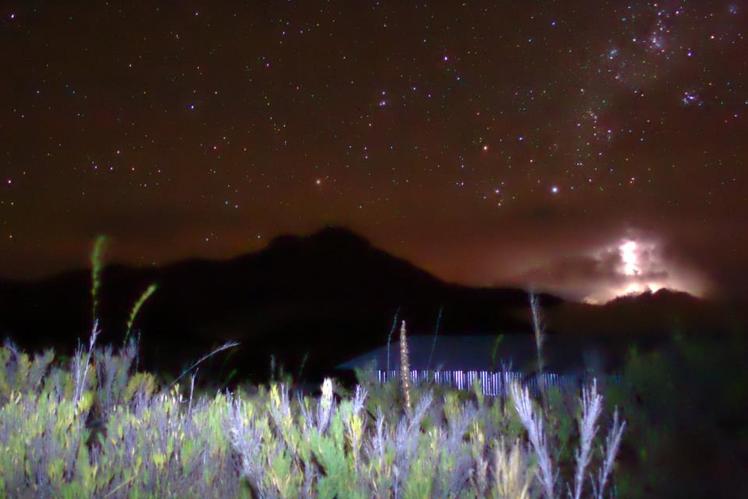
(664, 312)
(316, 300)
(326, 297)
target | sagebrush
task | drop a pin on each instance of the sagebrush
(93, 427)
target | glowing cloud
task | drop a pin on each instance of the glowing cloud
(629, 257)
(639, 266)
(634, 263)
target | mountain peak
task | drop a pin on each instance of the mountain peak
(329, 236)
(661, 296)
(339, 235)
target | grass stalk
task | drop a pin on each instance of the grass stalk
(97, 267)
(537, 328)
(225, 346)
(436, 333)
(389, 337)
(405, 367)
(136, 308)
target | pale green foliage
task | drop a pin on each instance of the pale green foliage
(97, 266)
(128, 436)
(137, 306)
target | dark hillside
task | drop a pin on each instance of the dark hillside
(325, 297)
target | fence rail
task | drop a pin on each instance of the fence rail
(492, 383)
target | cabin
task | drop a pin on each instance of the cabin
(494, 360)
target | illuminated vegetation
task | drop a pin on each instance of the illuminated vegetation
(119, 433)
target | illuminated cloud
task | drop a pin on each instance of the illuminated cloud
(632, 264)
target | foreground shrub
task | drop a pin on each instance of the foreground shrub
(687, 430)
(95, 428)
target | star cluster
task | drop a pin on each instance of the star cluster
(482, 140)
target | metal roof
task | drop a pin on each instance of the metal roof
(480, 352)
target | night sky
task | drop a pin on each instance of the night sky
(589, 148)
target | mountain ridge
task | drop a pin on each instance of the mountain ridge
(327, 296)
(288, 299)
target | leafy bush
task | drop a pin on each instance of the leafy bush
(688, 425)
(94, 427)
